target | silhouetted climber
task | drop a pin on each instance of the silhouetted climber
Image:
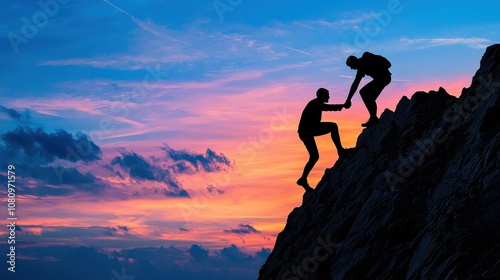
(310, 125)
(377, 67)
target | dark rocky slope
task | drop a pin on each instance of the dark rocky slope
(417, 199)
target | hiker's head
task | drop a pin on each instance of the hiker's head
(352, 62)
(323, 94)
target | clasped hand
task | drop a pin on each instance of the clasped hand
(347, 104)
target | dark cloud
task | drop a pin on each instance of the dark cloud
(139, 168)
(123, 228)
(98, 235)
(37, 146)
(263, 253)
(42, 191)
(11, 113)
(110, 231)
(234, 254)
(165, 169)
(62, 262)
(242, 229)
(113, 231)
(34, 152)
(48, 157)
(187, 162)
(198, 252)
(184, 229)
(59, 181)
(65, 262)
(52, 180)
(214, 190)
(136, 166)
(182, 168)
(154, 255)
(170, 193)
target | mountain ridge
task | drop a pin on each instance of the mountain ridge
(417, 199)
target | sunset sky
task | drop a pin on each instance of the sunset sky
(140, 124)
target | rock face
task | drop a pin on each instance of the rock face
(417, 199)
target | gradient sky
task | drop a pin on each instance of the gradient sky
(183, 114)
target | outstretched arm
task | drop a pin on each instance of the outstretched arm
(353, 89)
(332, 107)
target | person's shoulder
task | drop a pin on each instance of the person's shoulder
(316, 101)
(313, 102)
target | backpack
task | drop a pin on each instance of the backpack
(378, 60)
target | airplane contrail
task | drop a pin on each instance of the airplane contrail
(297, 50)
(137, 21)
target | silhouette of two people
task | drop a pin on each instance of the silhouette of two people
(310, 124)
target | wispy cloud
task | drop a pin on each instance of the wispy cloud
(64, 102)
(346, 76)
(297, 50)
(214, 190)
(36, 144)
(215, 80)
(13, 114)
(143, 25)
(242, 229)
(125, 62)
(474, 42)
(348, 22)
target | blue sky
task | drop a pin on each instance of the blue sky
(103, 31)
(191, 108)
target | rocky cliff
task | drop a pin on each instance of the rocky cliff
(417, 199)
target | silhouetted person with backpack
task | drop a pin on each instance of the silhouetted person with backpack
(310, 125)
(377, 67)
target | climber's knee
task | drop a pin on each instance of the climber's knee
(334, 127)
(313, 158)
